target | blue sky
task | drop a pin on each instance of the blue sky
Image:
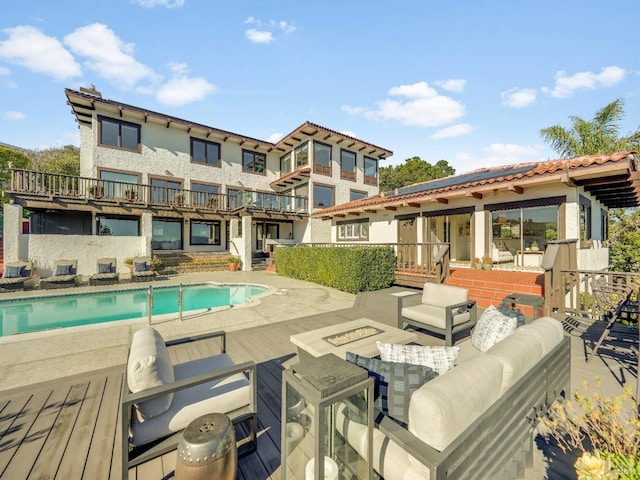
(471, 82)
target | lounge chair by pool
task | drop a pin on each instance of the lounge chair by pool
(65, 273)
(17, 276)
(142, 269)
(106, 272)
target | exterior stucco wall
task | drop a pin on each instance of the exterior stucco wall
(44, 250)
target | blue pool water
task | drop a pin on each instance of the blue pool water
(44, 313)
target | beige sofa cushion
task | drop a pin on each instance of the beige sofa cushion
(149, 366)
(547, 330)
(518, 353)
(442, 409)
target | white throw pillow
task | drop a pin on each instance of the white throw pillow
(493, 326)
(439, 359)
(149, 366)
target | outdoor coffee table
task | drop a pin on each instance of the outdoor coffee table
(358, 336)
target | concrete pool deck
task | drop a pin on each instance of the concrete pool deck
(36, 357)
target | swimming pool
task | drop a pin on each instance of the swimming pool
(43, 313)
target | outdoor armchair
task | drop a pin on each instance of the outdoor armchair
(444, 309)
(142, 269)
(168, 397)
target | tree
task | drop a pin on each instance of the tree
(10, 158)
(64, 160)
(599, 136)
(624, 240)
(413, 170)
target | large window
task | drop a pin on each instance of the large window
(166, 191)
(206, 195)
(353, 230)
(585, 219)
(253, 162)
(119, 134)
(370, 171)
(301, 154)
(285, 164)
(322, 196)
(205, 152)
(118, 226)
(167, 235)
(356, 195)
(119, 184)
(205, 233)
(347, 165)
(322, 158)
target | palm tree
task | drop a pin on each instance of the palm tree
(601, 135)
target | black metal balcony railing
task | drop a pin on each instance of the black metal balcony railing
(27, 182)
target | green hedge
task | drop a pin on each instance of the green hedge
(349, 269)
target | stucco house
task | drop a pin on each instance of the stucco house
(507, 213)
(151, 182)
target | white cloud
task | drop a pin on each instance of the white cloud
(14, 115)
(275, 137)
(287, 27)
(4, 71)
(498, 154)
(29, 47)
(108, 55)
(258, 36)
(159, 3)
(182, 90)
(518, 97)
(453, 131)
(349, 133)
(452, 85)
(566, 85)
(425, 107)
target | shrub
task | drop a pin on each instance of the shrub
(349, 269)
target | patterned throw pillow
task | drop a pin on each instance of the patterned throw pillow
(438, 358)
(394, 383)
(104, 268)
(141, 267)
(14, 272)
(63, 270)
(493, 326)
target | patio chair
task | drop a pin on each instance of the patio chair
(444, 309)
(106, 273)
(17, 276)
(142, 269)
(159, 399)
(65, 273)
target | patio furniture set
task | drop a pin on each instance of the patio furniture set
(20, 275)
(482, 396)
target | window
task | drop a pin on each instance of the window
(285, 163)
(205, 233)
(604, 225)
(253, 162)
(322, 158)
(235, 198)
(118, 226)
(353, 230)
(119, 134)
(206, 195)
(205, 152)
(322, 196)
(357, 195)
(167, 235)
(119, 184)
(585, 219)
(301, 154)
(165, 191)
(347, 165)
(370, 171)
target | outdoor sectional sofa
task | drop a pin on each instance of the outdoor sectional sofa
(477, 419)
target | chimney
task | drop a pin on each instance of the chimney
(91, 91)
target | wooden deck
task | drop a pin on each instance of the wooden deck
(69, 429)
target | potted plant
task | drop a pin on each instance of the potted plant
(487, 262)
(234, 263)
(477, 263)
(178, 199)
(129, 261)
(154, 263)
(130, 195)
(95, 191)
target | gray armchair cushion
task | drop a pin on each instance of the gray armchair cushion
(14, 272)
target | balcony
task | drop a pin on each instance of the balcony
(36, 189)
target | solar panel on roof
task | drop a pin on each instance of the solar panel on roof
(470, 177)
